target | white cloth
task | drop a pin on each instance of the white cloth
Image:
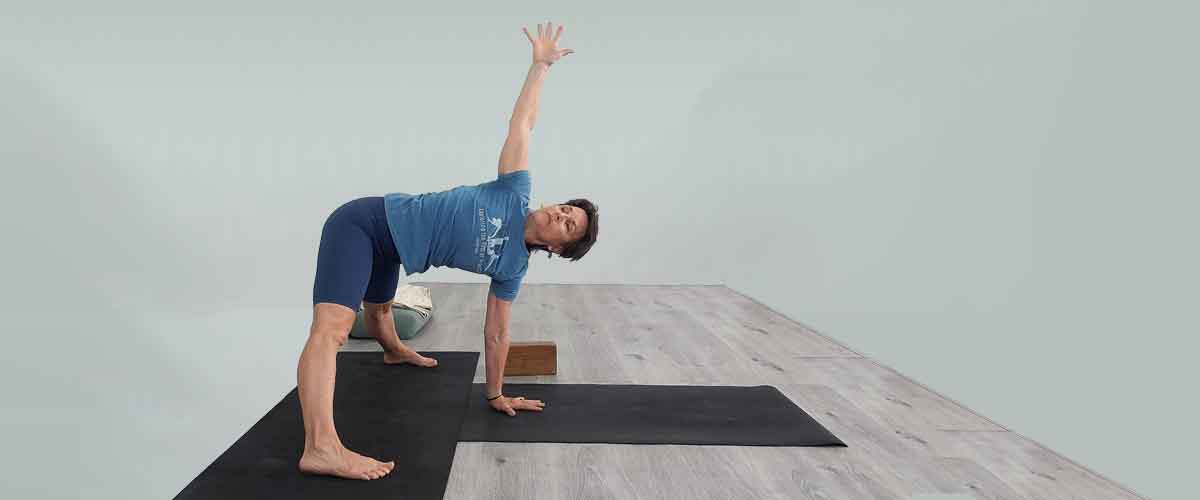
(417, 298)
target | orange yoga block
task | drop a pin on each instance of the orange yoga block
(531, 358)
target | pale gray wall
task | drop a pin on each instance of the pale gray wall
(988, 198)
(996, 201)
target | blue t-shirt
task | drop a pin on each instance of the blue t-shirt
(478, 228)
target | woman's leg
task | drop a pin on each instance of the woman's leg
(378, 317)
(324, 452)
(343, 270)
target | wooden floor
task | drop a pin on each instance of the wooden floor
(903, 439)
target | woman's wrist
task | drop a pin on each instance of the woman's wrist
(493, 398)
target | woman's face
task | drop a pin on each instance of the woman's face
(559, 225)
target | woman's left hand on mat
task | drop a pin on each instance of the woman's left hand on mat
(510, 406)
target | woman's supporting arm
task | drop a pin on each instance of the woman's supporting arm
(495, 342)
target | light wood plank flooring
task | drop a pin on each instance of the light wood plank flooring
(904, 439)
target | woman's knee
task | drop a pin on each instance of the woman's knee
(333, 321)
(376, 309)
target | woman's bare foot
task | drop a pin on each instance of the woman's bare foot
(342, 462)
(411, 357)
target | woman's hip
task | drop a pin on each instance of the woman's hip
(366, 214)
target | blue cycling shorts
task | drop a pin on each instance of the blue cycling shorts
(357, 260)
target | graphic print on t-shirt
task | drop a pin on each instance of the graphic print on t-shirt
(486, 244)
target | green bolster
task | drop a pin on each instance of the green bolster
(409, 324)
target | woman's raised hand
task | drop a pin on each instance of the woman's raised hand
(545, 46)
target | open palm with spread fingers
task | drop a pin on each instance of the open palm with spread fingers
(510, 406)
(545, 46)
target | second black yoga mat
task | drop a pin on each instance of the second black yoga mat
(389, 412)
(647, 414)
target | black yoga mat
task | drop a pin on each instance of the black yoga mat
(647, 414)
(389, 412)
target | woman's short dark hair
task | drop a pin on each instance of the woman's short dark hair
(580, 247)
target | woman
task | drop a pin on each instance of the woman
(486, 228)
